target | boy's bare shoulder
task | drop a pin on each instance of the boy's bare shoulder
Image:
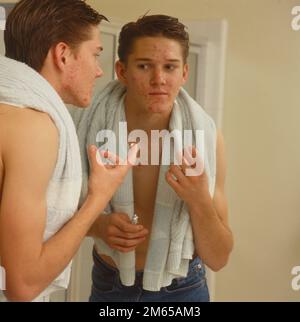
(25, 129)
(24, 121)
(16, 113)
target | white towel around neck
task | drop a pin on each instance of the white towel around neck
(171, 244)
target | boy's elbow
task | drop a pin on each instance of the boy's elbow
(20, 292)
(222, 260)
(218, 265)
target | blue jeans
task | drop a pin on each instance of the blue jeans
(107, 286)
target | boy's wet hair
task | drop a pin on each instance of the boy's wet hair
(35, 26)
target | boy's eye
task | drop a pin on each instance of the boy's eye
(143, 66)
(170, 67)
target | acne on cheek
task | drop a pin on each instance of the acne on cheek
(138, 87)
(135, 79)
(86, 101)
(72, 73)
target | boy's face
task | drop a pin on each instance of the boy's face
(83, 70)
(154, 73)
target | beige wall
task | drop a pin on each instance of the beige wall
(261, 129)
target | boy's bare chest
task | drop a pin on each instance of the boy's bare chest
(145, 179)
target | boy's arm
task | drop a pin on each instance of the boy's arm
(209, 216)
(29, 159)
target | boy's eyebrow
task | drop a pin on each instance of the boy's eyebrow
(143, 59)
(148, 59)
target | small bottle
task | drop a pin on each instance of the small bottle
(135, 219)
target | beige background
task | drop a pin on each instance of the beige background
(261, 129)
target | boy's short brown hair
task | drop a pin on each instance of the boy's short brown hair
(152, 26)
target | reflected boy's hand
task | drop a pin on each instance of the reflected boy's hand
(119, 233)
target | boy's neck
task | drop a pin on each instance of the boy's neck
(147, 121)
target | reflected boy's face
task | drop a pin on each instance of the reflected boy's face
(154, 73)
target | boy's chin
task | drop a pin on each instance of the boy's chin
(80, 103)
(158, 109)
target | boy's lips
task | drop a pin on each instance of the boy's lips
(158, 93)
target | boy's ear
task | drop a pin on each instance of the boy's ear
(121, 72)
(185, 73)
(61, 53)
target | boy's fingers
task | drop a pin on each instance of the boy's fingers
(193, 157)
(127, 243)
(112, 158)
(132, 154)
(140, 234)
(93, 155)
(128, 227)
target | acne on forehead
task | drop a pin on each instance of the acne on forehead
(156, 46)
(95, 34)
